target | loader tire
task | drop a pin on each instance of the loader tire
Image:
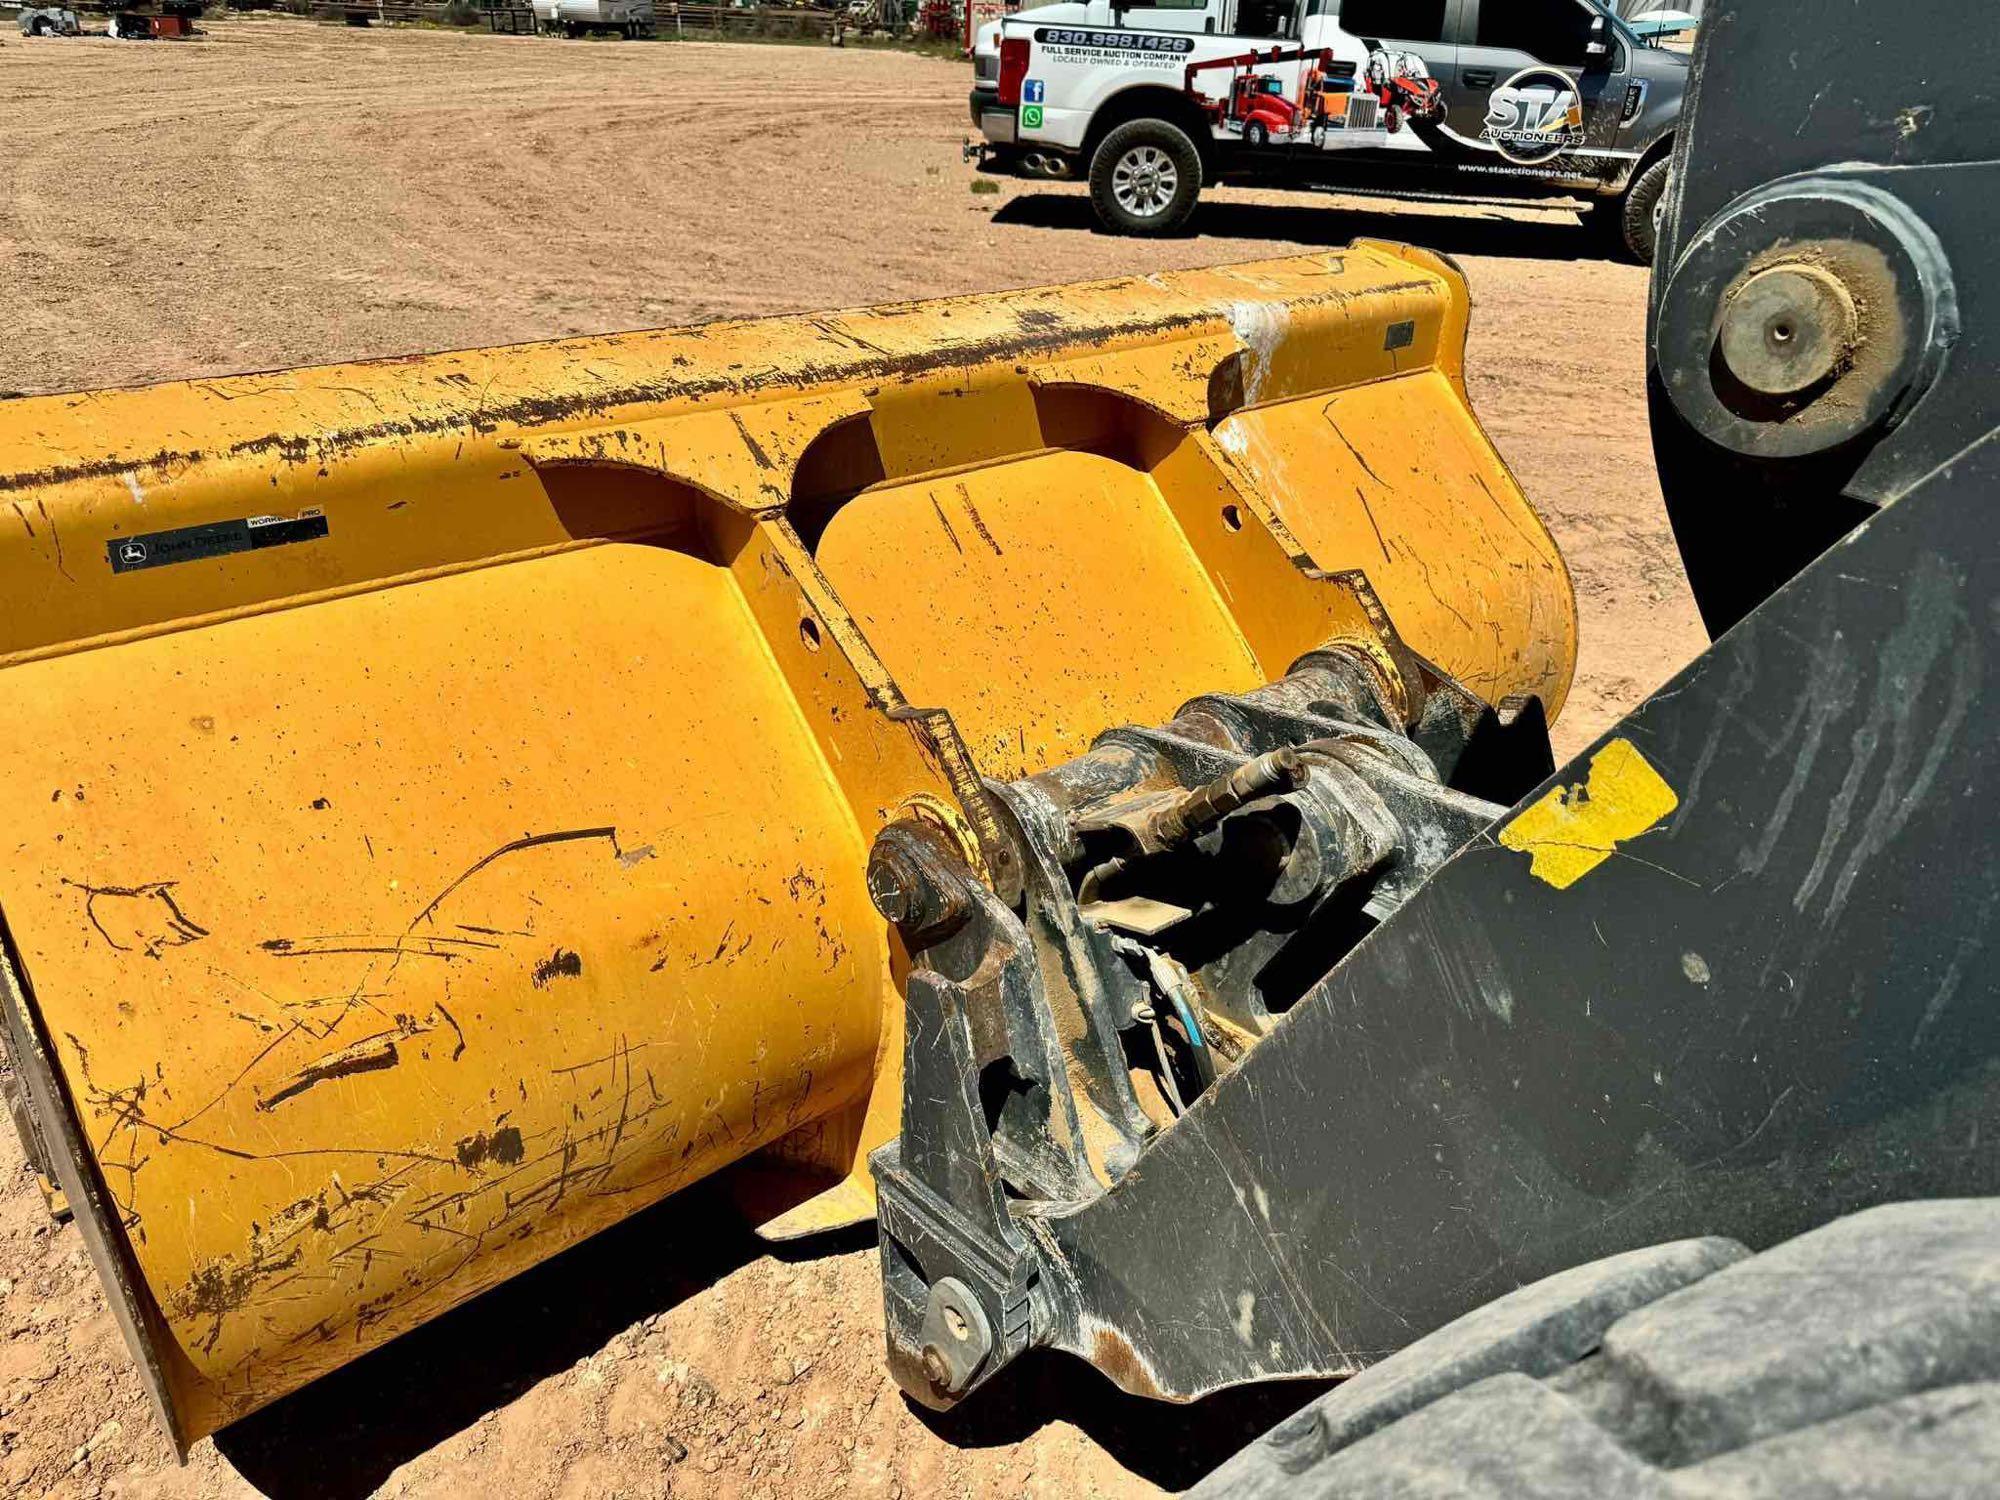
(1144, 178)
(1860, 1359)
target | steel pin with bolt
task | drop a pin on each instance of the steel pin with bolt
(1788, 327)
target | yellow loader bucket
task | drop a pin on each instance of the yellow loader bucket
(437, 791)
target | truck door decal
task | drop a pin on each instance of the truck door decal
(1318, 99)
(1534, 116)
(1127, 49)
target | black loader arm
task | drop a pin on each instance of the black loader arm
(1738, 1114)
(1728, 974)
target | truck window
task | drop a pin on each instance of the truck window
(1264, 17)
(1550, 31)
(1394, 20)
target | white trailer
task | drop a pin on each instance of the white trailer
(577, 17)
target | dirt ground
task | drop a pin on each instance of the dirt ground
(278, 193)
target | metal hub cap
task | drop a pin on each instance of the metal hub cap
(1144, 181)
(1787, 327)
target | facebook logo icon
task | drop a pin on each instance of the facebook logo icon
(1033, 90)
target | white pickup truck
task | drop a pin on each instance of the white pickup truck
(1150, 101)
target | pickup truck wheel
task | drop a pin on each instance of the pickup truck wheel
(1640, 210)
(1861, 1359)
(1145, 177)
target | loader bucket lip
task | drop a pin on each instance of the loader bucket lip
(864, 362)
(903, 308)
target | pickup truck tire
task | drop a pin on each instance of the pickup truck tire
(1639, 211)
(1860, 1359)
(1144, 178)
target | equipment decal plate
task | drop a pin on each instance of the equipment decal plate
(156, 549)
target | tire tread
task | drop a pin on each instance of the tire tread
(1861, 1358)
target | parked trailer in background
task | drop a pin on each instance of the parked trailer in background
(49, 20)
(134, 21)
(576, 18)
(136, 26)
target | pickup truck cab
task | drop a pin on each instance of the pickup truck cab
(1151, 101)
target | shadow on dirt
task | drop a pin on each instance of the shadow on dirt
(346, 1433)
(1173, 1446)
(341, 1437)
(1312, 221)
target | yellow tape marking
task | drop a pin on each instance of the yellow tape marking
(1574, 828)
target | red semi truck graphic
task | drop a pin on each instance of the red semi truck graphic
(1256, 106)
(1394, 88)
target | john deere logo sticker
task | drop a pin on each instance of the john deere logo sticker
(156, 549)
(1031, 116)
(1535, 116)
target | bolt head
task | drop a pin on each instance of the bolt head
(1787, 328)
(936, 1371)
(893, 882)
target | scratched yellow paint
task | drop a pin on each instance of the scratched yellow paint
(1065, 629)
(1395, 479)
(1573, 828)
(366, 1009)
(402, 902)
